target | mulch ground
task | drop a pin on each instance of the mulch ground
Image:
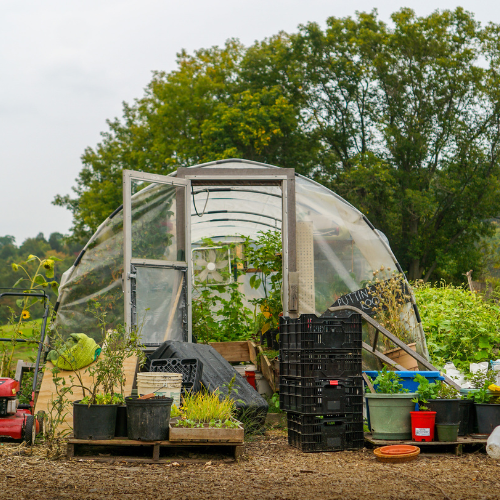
(270, 469)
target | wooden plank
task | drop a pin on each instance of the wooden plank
(267, 369)
(48, 389)
(252, 350)
(368, 383)
(460, 441)
(234, 352)
(142, 460)
(130, 442)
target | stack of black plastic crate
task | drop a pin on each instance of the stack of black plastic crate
(321, 385)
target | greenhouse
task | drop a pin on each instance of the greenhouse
(147, 259)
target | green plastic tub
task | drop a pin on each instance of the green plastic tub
(390, 415)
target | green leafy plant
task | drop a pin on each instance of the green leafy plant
(459, 326)
(105, 399)
(37, 275)
(426, 390)
(481, 381)
(264, 259)
(388, 382)
(421, 404)
(107, 374)
(447, 392)
(219, 311)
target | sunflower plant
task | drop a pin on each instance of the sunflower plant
(36, 275)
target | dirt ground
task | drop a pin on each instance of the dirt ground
(269, 469)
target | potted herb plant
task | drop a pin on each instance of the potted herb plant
(389, 407)
(486, 401)
(441, 398)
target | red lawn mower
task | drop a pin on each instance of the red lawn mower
(17, 420)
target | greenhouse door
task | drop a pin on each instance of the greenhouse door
(156, 249)
(253, 177)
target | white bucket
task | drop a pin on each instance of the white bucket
(162, 384)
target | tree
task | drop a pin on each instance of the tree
(401, 120)
(409, 120)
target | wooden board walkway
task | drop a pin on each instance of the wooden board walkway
(47, 389)
(425, 446)
(76, 448)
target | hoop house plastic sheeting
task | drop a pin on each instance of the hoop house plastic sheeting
(337, 249)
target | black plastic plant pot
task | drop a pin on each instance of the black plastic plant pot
(121, 421)
(94, 421)
(148, 419)
(447, 410)
(467, 417)
(488, 417)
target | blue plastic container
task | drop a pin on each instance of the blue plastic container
(407, 378)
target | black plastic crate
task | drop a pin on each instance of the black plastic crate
(321, 363)
(311, 396)
(315, 433)
(191, 370)
(311, 332)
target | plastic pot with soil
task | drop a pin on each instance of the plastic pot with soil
(487, 417)
(447, 410)
(94, 421)
(389, 408)
(148, 419)
(447, 432)
(390, 415)
(467, 417)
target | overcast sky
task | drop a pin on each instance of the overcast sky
(67, 66)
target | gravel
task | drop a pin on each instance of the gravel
(270, 469)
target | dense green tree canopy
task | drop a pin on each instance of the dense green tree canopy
(401, 119)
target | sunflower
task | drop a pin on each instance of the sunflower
(48, 264)
(25, 314)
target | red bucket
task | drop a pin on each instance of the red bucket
(422, 425)
(250, 376)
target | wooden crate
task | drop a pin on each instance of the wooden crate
(206, 434)
(234, 352)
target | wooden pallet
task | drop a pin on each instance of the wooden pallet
(426, 446)
(75, 446)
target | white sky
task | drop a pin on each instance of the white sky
(67, 66)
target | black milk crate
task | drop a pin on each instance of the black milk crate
(316, 433)
(190, 368)
(321, 363)
(311, 332)
(311, 396)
